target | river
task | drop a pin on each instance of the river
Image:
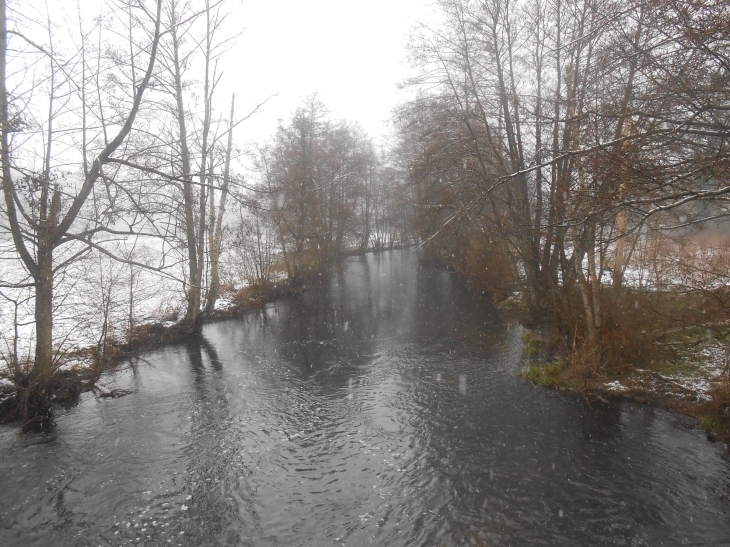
(383, 409)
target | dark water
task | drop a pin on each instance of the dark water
(385, 410)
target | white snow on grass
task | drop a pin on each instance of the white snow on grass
(693, 379)
(713, 365)
(614, 386)
(223, 304)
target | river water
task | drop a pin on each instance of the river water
(384, 409)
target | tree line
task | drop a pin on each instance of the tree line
(569, 156)
(574, 154)
(115, 160)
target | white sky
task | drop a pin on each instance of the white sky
(352, 52)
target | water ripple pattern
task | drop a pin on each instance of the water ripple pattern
(384, 409)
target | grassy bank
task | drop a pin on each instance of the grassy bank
(694, 382)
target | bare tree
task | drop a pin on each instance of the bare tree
(550, 132)
(215, 231)
(40, 212)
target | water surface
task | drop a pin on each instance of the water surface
(384, 409)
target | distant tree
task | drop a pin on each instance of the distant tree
(323, 182)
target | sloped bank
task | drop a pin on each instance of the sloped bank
(673, 352)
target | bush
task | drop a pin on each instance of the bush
(549, 375)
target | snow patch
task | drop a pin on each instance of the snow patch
(223, 304)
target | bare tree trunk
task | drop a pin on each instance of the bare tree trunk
(368, 198)
(216, 236)
(618, 261)
(193, 303)
(42, 366)
(585, 292)
(623, 128)
(131, 303)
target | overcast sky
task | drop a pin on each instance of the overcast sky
(352, 52)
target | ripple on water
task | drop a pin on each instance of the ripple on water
(385, 410)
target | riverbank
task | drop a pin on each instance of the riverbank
(390, 399)
(78, 371)
(695, 383)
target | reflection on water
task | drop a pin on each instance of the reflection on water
(382, 410)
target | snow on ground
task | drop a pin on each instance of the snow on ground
(615, 386)
(97, 292)
(709, 368)
(694, 380)
(223, 304)
(87, 295)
